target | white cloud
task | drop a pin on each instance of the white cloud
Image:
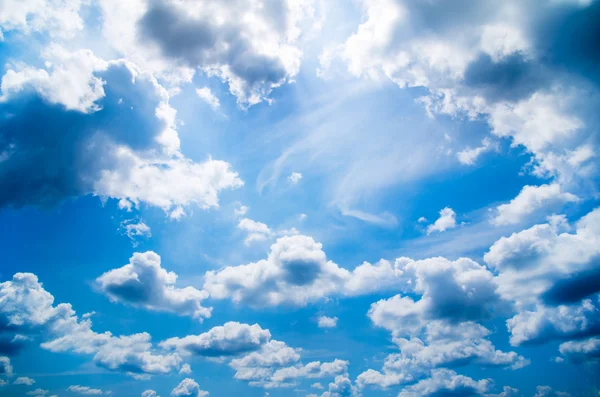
(446, 381)
(469, 156)
(252, 48)
(72, 79)
(295, 177)
(38, 392)
(581, 350)
(134, 229)
(295, 272)
(24, 380)
(314, 369)
(231, 339)
(327, 322)
(207, 96)
(546, 391)
(55, 17)
(447, 220)
(131, 165)
(530, 200)
(185, 370)
(257, 231)
(144, 283)
(188, 387)
(5, 368)
(85, 390)
(530, 262)
(149, 393)
(26, 305)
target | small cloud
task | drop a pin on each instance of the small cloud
(134, 230)
(125, 204)
(295, 177)
(317, 386)
(469, 156)
(207, 96)
(24, 380)
(185, 369)
(177, 213)
(241, 210)
(85, 390)
(422, 220)
(327, 322)
(302, 217)
(446, 221)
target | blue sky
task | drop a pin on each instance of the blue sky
(306, 197)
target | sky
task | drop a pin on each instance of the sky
(317, 198)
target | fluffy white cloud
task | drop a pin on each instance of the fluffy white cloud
(149, 393)
(447, 220)
(478, 59)
(5, 367)
(443, 345)
(144, 283)
(314, 369)
(24, 380)
(547, 259)
(26, 305)
(57, 18)
(251, 47)
(547, 391)
(257, 231)
(327, 322)
(545, 323)
(185, 370)
(231, 339)
(446, 381)
(258, 366)
(85, 390)
(469, 155)
(98, 150)
(208, 97)
(188, 387)
(530, 200)
(581, 350)
(296, 272)
(134, 229)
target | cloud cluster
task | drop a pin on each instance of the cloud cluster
(101, 128)
(188, 388)
(143, 282)
(531, 78)
(251, 47)
(26, 307)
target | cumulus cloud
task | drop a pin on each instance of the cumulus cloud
(85, 390)
(327, 322)
(56, 18)
(447, 220)
(24, 380)
(116, 137)
(445, 381)
(27, 307)
(149, 393)
(257, 367)
(581, 350)
(144, 283)
(295, 272)
(252, 48)
(530, 200)
(547, 260)
(315, 369)
(188, 387)
(442, 345)
(257, 231)
(231, 339)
